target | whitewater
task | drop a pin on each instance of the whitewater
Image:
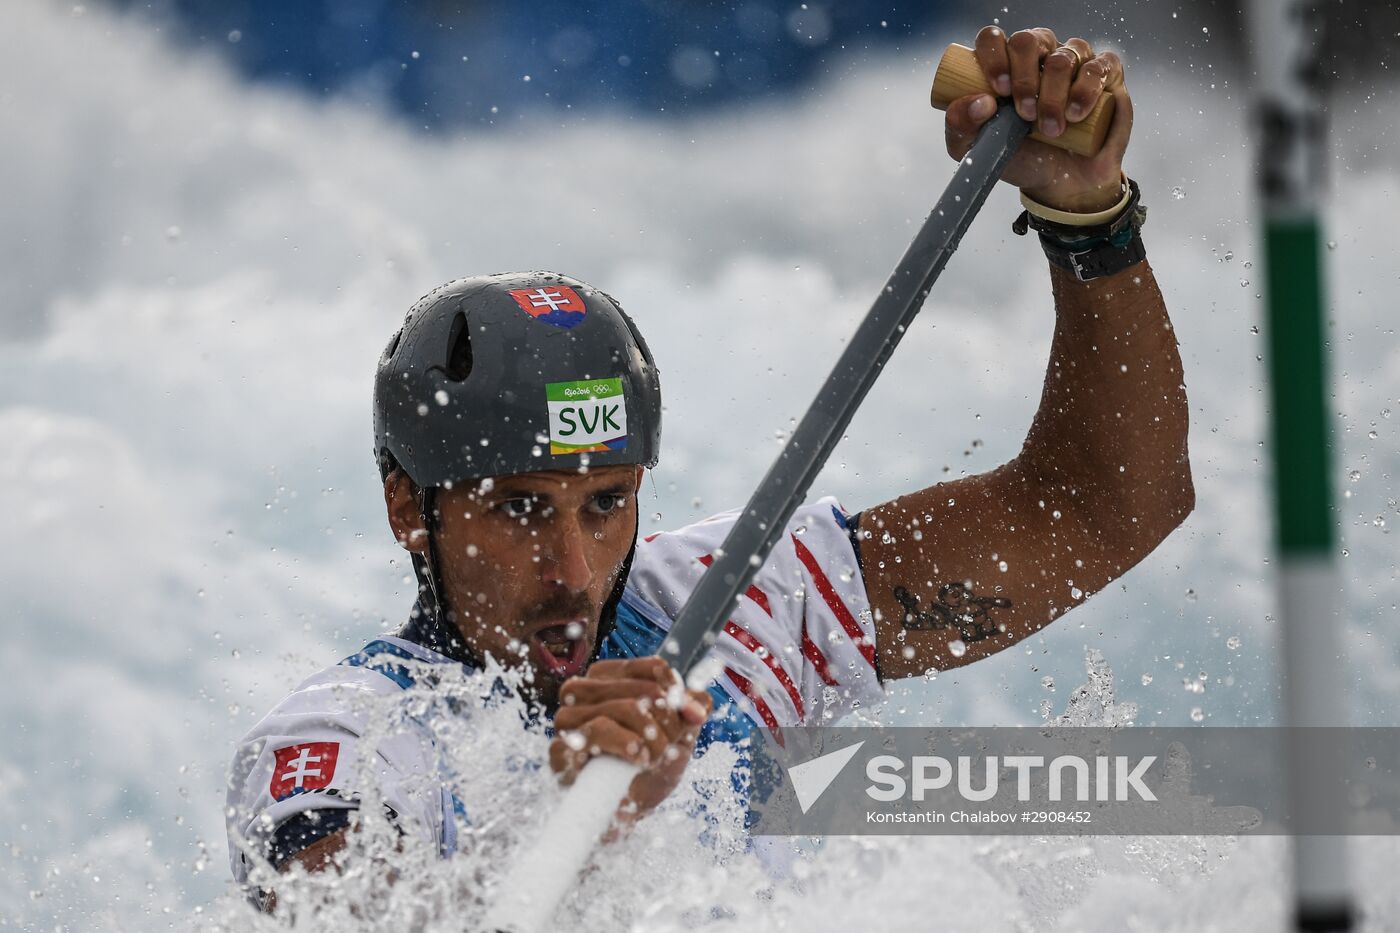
(198, 275)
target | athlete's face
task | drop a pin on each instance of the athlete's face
(528, 561)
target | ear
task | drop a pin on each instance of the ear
(401, 501)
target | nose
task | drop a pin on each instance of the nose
(564, 556)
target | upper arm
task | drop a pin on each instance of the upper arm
(963, 569)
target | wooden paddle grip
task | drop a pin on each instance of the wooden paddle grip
(959, 74)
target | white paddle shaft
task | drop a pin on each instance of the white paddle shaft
(541, 878)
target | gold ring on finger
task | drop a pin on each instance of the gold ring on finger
(1078, 59)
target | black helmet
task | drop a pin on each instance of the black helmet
(514, 373)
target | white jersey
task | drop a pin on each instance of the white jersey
(799, 650)
(800, 647)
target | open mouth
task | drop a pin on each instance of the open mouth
(557, 653)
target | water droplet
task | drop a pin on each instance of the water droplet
(1254, 330)
(1048, 683)
(1190, 595)
(422, 408)
(1197, 714)
(440, 396)
(1233, 643)
(1178, 192)
(1331, 244)
(1354, 476)
(1146, 679)
(958, 647)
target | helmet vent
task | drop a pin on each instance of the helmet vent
(459, 353)
(393, 346)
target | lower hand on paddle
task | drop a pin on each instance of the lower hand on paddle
(636, 710)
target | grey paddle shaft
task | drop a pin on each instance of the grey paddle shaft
(534, 886)
(788, 480)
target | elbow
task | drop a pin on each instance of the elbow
(1187, 493)
(1177, 501)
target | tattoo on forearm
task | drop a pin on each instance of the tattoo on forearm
(957, 608)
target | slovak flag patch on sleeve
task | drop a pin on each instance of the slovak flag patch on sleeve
(302, 768)
(553, 304)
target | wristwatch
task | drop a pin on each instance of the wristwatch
(1094, 251)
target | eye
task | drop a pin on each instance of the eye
(516, 508)
(609, 502)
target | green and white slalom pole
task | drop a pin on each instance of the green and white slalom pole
(1289, 112)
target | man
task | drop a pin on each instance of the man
(514, 417)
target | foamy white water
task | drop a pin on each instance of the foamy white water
(198, 277)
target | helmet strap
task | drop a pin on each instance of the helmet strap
(607, 621)
(444, 635)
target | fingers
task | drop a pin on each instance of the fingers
(704, 700)
(568, 753)
(964, 119)
(649, 668)
(1115, 144)
(635, 719)
(642, 674)
(1025, 50)
(990, 49)
(1057, 74)
(1047, 82)
(1089, 84)
(589, 691)
(652, 724)
(627, 734)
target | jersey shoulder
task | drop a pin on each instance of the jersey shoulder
(322, 748)
(799, 646)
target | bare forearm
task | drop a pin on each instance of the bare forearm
(1110, 435)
